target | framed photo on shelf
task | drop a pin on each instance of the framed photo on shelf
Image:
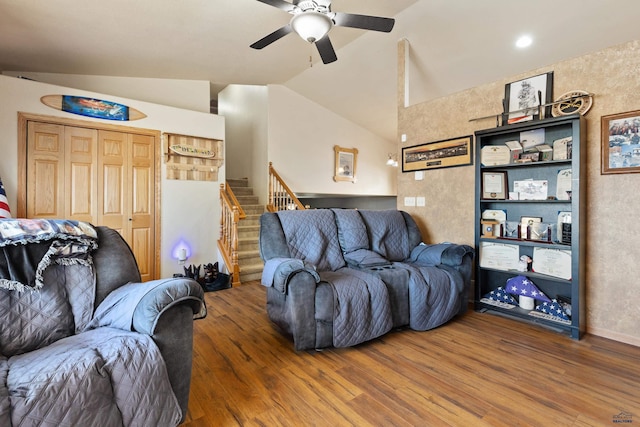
(438, 154)
(495, 185)
(620, 143)
(526, 99)
(345, 164)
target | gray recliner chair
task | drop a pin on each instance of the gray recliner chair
(93, 345)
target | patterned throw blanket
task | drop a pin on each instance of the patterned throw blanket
(29, 246)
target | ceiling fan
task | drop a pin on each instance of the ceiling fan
(313, 19)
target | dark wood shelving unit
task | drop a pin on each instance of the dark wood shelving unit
(488, 278)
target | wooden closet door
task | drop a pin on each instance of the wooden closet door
(45, 170)
(81, 150)
(142, 202)
(102, 176)
(113, 165)
(126, 184)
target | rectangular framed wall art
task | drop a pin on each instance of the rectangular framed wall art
(524, 99)
(345, 164)
(438, 154)
(620, 143)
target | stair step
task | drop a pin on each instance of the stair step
(249, 231)
(247, 244)
(249, 260)
(247, 200)
(251, 220)
(238, 182)
(253, 209)
(251, 272)
(249, 257)
(242, 191)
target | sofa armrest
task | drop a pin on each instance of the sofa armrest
(278, 272)
(138, 306)
(163, 297)
(442, 253)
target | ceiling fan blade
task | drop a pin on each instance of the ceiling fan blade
(326, 51)
(276, 35)
(365, 22)
(280, 4)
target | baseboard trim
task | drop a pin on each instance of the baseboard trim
(616, 336)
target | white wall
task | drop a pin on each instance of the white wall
(188, 94)
(190, 210)
(302, 135)
(276, 124)
(245, 110)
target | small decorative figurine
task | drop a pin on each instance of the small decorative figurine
(523, 264)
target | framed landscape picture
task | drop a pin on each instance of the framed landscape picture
(438, 154)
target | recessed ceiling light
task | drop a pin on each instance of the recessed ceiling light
(524, 41)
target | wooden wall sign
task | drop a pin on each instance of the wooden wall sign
(192, 158)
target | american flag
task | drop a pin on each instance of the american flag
(499, 294)
(553, 308)
(522, 286)
(5, 212)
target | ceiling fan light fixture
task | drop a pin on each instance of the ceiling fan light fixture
(311, 25)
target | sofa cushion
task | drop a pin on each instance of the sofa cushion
(31, 320)
(34, 319)
(113, 251)
(387, 233)
(352, 233)
(312, 236)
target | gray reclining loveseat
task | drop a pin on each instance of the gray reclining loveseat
(340, 277)
(82, 342)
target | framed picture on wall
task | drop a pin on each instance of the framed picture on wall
(438, 154)
(345, 164)
(527, 99)
(620, 143)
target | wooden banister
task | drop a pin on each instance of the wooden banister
(228, 241)
(280, 195)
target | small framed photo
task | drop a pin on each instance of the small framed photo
(528, 99)
(495, 185)
(345, 164)
(620, 143)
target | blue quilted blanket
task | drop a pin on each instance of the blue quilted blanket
(361, 307)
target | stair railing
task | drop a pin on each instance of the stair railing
(232, 212)
(280, 195)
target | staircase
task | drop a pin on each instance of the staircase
(248, 230)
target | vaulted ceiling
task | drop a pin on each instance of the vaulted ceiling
(455, 44)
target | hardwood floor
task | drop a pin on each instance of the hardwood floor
(478, 370)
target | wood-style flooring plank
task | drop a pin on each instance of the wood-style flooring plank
(477, 370)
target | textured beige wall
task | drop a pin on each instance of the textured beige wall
(613, 201)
